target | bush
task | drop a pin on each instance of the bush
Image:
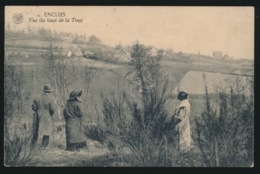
(17, 147)
(17, 137)
(138, 122)
(224, 133)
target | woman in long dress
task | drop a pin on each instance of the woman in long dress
(73, 117)
(182, 114)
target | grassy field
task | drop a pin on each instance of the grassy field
(109, 80)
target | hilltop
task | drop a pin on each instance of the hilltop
(28, 46)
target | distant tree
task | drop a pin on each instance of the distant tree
(93, 40)
(88, 76)
(119, 46)
(45, 34)
(60, 70)
(169, 52)
(56, 65)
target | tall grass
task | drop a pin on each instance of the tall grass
(224, 133)
(17, 146)
(17, 137)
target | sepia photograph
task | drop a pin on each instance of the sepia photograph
(129, 86)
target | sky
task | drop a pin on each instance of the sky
(186, 29)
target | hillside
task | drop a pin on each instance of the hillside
(110, 67)
(212, 80)
(31, 51)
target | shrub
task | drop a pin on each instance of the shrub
(224, 133)
(138, 122)
(17, 145)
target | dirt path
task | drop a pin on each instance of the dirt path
(56, 157)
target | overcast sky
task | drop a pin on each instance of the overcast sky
(186, 29)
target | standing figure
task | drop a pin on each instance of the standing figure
(73, 117)
(43, 118)
(182, 121)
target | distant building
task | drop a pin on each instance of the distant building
(217, 54)
(122, 55)
(153, 51)
(67, 38)
(69, 54)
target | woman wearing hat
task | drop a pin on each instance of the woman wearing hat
(73, 117)
(182, 121)
(43, 118)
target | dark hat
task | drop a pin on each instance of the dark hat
(182, 95)
(75, 94)
(47, 88)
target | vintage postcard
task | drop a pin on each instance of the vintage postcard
(129, 86)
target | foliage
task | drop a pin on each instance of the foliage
(139, 124)
(16, 89)
(59, 76)
(224, 133)
(138, 120)
(62, 73)
(16, 147)
(93, 40)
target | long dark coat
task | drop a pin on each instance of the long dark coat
(43, 107)
(73, 117)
